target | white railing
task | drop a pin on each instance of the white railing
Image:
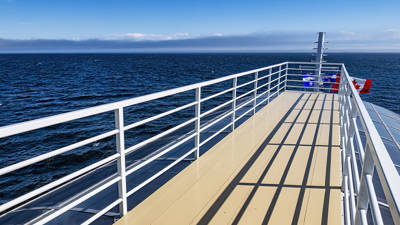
(359, 191)
(271, 75)
(297, 72)
(265, 83)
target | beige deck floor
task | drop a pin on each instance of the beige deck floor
(281, 166)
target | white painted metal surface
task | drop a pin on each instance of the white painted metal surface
(319, 57)
(360, 198)
(358, 189)
(374, 156)
(120, 128)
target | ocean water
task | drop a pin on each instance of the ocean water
(38, 85)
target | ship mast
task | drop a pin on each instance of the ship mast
(320, 56)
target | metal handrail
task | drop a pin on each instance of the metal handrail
(120, 128)
(359, 189)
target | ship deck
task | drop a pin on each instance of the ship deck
(281, 166)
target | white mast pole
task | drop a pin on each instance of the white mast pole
(319, 56)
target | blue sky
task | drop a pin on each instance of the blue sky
(352, 25)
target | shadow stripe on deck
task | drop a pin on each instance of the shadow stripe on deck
(229, 189)
(278, 191)
(308, 167)
(280, 185)
(245, 179)
(328, 171)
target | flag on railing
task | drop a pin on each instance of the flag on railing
(308, 80)
(335, 87)
(363, 86)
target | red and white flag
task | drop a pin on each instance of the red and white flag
(363, 86)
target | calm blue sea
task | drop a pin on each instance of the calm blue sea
(38, 85)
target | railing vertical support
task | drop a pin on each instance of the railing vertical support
(279, 79)
(342, 90)
(364, 197)
(319, 66)
(255, 92)
(234, 102)
(350, 144)
(269, 84)
(198, 112)
(120, 143)
(286, 73)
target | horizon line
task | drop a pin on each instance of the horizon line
(194, 52)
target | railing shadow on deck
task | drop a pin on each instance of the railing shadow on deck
(205, 123)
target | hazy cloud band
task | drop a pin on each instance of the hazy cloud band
(290, 42)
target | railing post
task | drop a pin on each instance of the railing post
(319, 75)
(279, 79)
(286, 73)
(350, 144)
(234, 103)
(198, 112)
(342, 88)
(269, 84)
(345, 173)
(120, 143)
(255, 92)
(351, 170)
(363, 197)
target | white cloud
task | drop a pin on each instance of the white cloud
(149, 37)
(392, 33)
(389, 34)
(346, 41)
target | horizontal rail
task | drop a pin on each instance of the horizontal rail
(301, 81)
(78, 201)
(158, 136)
(133, 125)
(264, 100)
(264, 77)
(216, 108)
(245, 84)
(279, 71)
(308, 75)
(280, 84)
(244, 104)
(160, 173)
(56, 183)
(322, 69)
(243, 114)
(216, 95)
(102, 212)
(215, 134)
(214, 122)
(245, 94)
(142, 164)
(277, 85)
(315, 63)
(374, 156)
(261, 86)
(272, 81)
(65, 117)
(45, 156)
(321, 88)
